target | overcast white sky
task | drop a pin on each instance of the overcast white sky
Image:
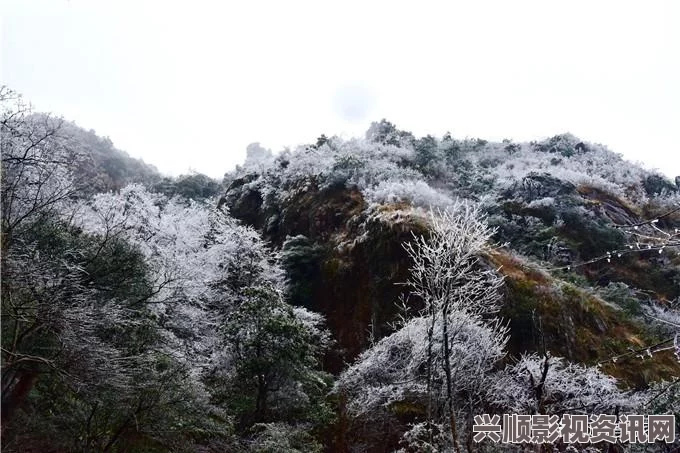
(189, 84)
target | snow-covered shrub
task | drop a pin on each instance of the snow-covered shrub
(395, 368)
(416, 193)
(552, 385)
(545, 202)
(665, 318)
(282, 438)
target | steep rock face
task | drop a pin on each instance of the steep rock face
(244, 203)
(608, 206)
(343, 260)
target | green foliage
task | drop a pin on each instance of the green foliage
(592, 237)
(107, 388)
(301, 258)
(467, 180)
(565, 144)
(321, 140)
(283, 438)
(656, 185)
(387, 133)
(623, 296)
(195, 187)
(427, 154)
(275, 373)
(159, 414)
(109, 328)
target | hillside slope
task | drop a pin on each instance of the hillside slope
(340, 211)
(372, 294)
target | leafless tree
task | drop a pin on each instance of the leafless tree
(447, 276)
(440, 357)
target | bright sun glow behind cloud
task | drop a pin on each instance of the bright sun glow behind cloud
(188, 85)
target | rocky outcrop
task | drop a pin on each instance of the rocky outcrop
(345, 260)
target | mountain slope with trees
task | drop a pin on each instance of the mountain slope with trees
(587, 248)
(372, 294)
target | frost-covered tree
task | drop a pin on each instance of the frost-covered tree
(53, 277)
(219, 296)
(195, 186)
(270, 363)
(37, 175)
(257, 156)
(59, 307)
(446, 275)
(438, 359)
(552, 385)
(84, 363)
(387, 133)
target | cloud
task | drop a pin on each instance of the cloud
(354, 101)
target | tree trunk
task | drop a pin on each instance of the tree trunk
(13, 398)
(447, 371)
(261, 401)
(430, 334)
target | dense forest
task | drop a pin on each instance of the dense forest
(373, 294)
